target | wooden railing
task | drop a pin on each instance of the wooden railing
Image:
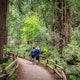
(6, 72)
(59, 70)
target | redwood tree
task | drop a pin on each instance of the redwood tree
(3, 25)
(61, 23)
(67, 22)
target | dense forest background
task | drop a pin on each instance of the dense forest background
(51, 23)
(54, 25)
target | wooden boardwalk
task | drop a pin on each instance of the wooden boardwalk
(28, 71)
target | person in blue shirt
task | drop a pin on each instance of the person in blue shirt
(37, 54)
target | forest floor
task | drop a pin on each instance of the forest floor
(28, 71)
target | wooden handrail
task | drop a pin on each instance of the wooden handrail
(5, 75)
(11, 65)
(12, 71)
(59, 66)
(58, 73)
(0, 70)
(61, 74)
(2, 76)
(56, 64)
(51, 61)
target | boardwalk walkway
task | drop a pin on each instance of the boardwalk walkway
(28, 71)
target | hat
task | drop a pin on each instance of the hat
(37, 47)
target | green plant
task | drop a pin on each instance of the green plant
(13, 77)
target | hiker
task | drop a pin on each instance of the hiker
(37, 54)
(32, 54)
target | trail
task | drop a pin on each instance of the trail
(28, 71)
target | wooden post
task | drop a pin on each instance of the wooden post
(13, 57)
(64, 74)
(55, 63)
(47, 62)
(24, 55)
(17, 53)
(3, 68)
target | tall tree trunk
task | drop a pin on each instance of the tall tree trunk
(67, 21)
(31, 8)
(60, 24)
(3, 25)
(5, 12)
(53, 14)
(59, 27)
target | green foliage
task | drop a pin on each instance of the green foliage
(36, 28)
(8, 63)
(75, 35)
(32, 30)
(74, 47)
(22, 48)
(75, 13)
(72, 77)
(13, 77)
(15, 23)
(76, 71)
(60, 61)
(32, 27)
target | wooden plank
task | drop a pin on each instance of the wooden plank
(57, 73)
(49, 67)
(56, 64)
(42, 57)
(11, 65)
(59, 66)
(63, 75)
(52, 61)
(0, 70)
(11, 73)
(2, 76)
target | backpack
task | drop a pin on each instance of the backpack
(32, 52)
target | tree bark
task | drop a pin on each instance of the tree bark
(67, 21)
(62, 24)
(31, 8)
(3, 25)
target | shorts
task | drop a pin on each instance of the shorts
(37, 58)
(32, 56)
